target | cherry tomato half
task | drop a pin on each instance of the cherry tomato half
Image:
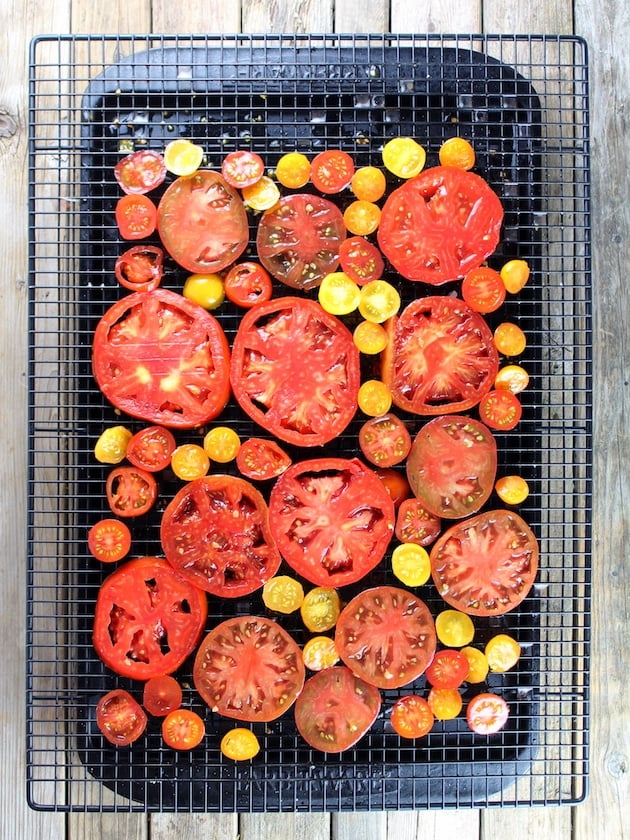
(483, 289)
(247, 284)
(162, 694)
(109, 540)
(183, 729)
(140, 268)
(500, 409)
(332, 170)
(141, 171)
(151, 448)
(412, 717)
(242, 168)
(136, 216)
(448, 669)
(361, 260)
(131, 491)
(385, 440)
(487, 713)
(120, 717)
(261, 459)
(240, 744)
(457, 152)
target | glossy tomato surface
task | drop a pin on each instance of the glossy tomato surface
(148, 619)
(452, 465)
(332, 519)
(440, 224)
(151, 448)
(249, 668)
(298, 240)
(163, 359)
(215, 532)
(486, 565)
(386, 635)
(202, 222)
(120, 718)
(295, 370)
(440, 358)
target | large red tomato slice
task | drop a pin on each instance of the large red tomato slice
(215, 532)
(332, 519)
(249, 668)
(452, 465)
(440, 356)
(298, 240)
(162, 358)
(335, 709)
(386, 636)
(202, 222)
(296, 371)
(148, 619)
(439, 225)
(486, 565)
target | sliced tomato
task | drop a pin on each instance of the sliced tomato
(109, 540)
(151, 448)
(140, 268)
(296, 371)
(386, 636)
(163, 359)
(262, 459)
(202, 222)
(487, 713)
(249, 668)
(161, 695)
(500, 409)
(215, 532)
(385, 440)
(452, 465)
(183, 729)
(440, 224)
(440, 357)
(486, 565)
(148, 619)
(136, 216)
(336, 709)
(332, 519)
(298, 240)
(448, 669)
(361, 260)
(415, 524)
(120, 717)
(411, 716)
(141, 171)
(242, 168)
(247, 283)
(130, 491)
(483, 289)
(332, 170)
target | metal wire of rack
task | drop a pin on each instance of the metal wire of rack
(523, 102)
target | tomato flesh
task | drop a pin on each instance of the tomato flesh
(487, 713)
(120, 717)
(415, 524)
(361, 260)
(130, 491)
(411, 716)
(262, 459)
(161, 695)
(385, 440)
(332, 170)
(448, 669)
(247, 284)
(151, 448)
(136, 216)
(140, 268)
(109, 540)
(183, 729)
(140, 171)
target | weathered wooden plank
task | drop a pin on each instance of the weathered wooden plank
(435, 16)
(276, 16)
(355, 17)
(276, 826)
(463, 825)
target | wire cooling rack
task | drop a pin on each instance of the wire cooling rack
(523, 102)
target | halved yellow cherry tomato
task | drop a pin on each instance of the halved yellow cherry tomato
(478, 663)
(111, 447)
(379, 301)
(457, 152)
(205, 289)
(454, 628)
(411, 564)
(182, 157)
(502, 653)
(338, 294)
(362, 217)
(512, 489)
(370, 338)
(320, 609)
(293, 170)
(445, 703)
(240, 744)
(319, 653)
(283, 594)
(368, 183)
(263, 195)
(190, 461)
(515, 274)
(222, 444)
(404, 157)
(374, 398)
(512, 378)
(509, 339)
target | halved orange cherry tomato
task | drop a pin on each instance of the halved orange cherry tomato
(183, 157)
(404, 157)
(162, 694)
(120, 718)
(247, 284)
(509, 339)
(240, 744)
(448, 669)
(263, 195)
(478, 664)
(151, 448)
(136, 216)
(515, 274)
(368, 183)
(183, 729)
(487, 713)
(222, 444)
(370, 338)
(512, 378)
(140, 268)
(412, 717)
(445, 703)
(512, 489)
(374, 397)
(262, 459)
(130, 491)
(483, 289)
(242, 168)
(332, 170)
(109, 540)
(500, 409)
(141, 171)
(190, 461)
(362, 217)
(458, 152)
(293, 170)
(379, 301)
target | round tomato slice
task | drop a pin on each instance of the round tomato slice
(151, 448)
(140, 268)
(452, 465)
(202, 222)
(500, 409)
(215, 532)
(249, 668)
(120, 717)
(136, 216)
(384, 440)
(296, 371)
(298, 240)
(485, 565)
(183, 729)
(414, 523)
(335, 709)
(261, 459)
(361, 260)
(130, 491)
(163, 359)
(448, 669)
(247, 284)
(386, 636)
(332, 170)
(161, 695)
(141, 171)
(148, 619)
(440, 357)
(109, 540)
(332, 519)
(440, 224)
(412, 717)
(242, 168)
(487, 713)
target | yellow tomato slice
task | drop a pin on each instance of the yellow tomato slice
(111, 447)
(457, 152)
(411, 564)
(319, 653)
(182, 157)
(190, 461)
(320, 609)
(404, 157)
(478, 663)
(512, 489)
(283, 594)
(374, 398)
(293, 170)
(509, 339)
(370, 338)
(379, 301)
(240, 744)
(263, 195)
(502, 653)
(222, 444)
(368, 183)
(338, 294)
(454, 628)
(207, 290)
(515, 274)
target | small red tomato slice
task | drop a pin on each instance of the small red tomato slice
(109, 540)
(247, 284)
(242, 168)
(120, 717)
(415, 524)
(162, 694)
(500, 409)
(261, 459)
(151, 448)
(385, 441)
(411, 716)
(483, 289)
(332, 170)
(361, 260)
(130, 491)
(140, 268)
(183, 729)
(136, 216)
(487, 713)
(141, 171)
(448, 669)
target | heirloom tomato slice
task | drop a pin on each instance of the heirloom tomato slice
(148, 619)
(335, 709)
(295, 370)
(298, 240)
(120, 718)
(141, 171)
(452, 465)
(487, 713)
(440, 224)
(163, 359)
(261, 459)
(215, 532)
(386, 636)
(151, 448)
(332, 519)
(361, 260)
(415, 524)
(485, 565)
(202, 222)
(249, 668)
(440, 357)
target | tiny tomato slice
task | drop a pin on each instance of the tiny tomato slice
(385, 440)
(374, 398)
(411, 716)
(487, 713)
(368, 183)
(183, 729)
(338, 293)
(454, 628)
(249, 668)
(263, 195)
(515, 274)
(140, 268)
(151, 448)
(332, 170)
(120, 717)
(512, 489)
(242, 168)
(335, 709)
(283, 594)
(320, 652)
(247, 284)
(362, 217)
(240, 744)
(111, 446)
(141, 171)
(510, 339)
(130, 491)
(222, 444)
(370, 338)
(478, 664)
(206, 290)
(190, 461)
(502, 652)
(320, 609)
(182, 157)
(293, 170)
(457, 152)
(136, 216)
(386, 636)
(361, 260)
(448, 669)
(512, 378)
(379, 301)
(109, 540)
(483, 289)
(445, 703)
(162, 694)
(262, 459)
(410, 564)
(500, 409)
(404, 157)
(414, 523)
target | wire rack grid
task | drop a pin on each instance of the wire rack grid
(523, 102)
